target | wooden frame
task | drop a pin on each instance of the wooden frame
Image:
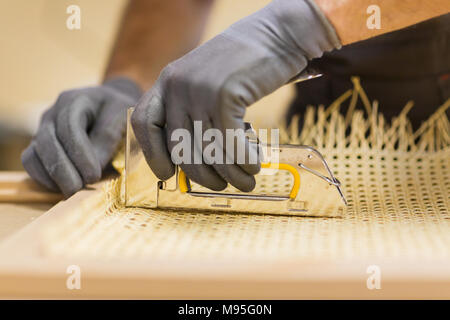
(26, 272)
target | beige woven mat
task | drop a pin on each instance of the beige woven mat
(397, 183)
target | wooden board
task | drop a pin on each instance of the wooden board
(14, 216)
(21, 201)
(18, 187)
(25, 271)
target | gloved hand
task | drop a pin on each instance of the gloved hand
(79, 134)
(217, 81)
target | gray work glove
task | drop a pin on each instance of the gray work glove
(217, 81)
(79, 134)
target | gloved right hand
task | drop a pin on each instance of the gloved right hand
(79, 134)
(215, 83)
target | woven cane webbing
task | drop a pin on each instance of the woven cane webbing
(397, 183)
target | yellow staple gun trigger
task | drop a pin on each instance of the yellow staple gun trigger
(183, 181)
(292, 170)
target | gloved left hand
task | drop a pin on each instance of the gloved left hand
(79, 134)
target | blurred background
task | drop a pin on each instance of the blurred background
(41, 57)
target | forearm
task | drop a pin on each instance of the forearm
(349, 17)
(153, 33)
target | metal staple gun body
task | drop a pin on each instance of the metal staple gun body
(299, 183)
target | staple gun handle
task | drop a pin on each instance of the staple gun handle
(183, 181)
